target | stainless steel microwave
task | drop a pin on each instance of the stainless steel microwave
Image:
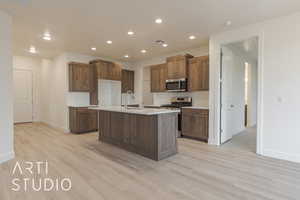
(176, 85)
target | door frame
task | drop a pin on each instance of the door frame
(32, 93)
(216, 43)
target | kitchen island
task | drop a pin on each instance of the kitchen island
(148, 132)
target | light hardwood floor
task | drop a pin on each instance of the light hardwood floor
(100, 171)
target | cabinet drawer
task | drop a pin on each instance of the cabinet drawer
(195, 111)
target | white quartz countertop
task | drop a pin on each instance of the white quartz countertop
(133, 110)
(197, 107)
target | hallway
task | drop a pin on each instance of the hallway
(245, 141)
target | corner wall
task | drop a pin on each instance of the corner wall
(6, 89)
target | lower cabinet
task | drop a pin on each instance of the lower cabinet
(141, 134)
(195, 123)
(83, 120)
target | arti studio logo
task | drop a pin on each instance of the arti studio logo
(34, 176)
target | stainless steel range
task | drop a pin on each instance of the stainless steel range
(178, 103)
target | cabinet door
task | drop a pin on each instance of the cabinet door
(145, 135)
(93, 85)
(158, 78)
(79, 77)
(172, 69)
(155, 80)
(177, 66)
(83, 120)
(115, 71)
(162, 77)
(199, 74)
(117, 132)
(195, 124)
(205, 73)
(127, 81)
(104, 126)
(130, 136)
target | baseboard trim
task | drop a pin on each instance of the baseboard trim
(55, 127)
(6, 157)
(281, 155)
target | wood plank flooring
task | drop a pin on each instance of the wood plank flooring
(101, 171)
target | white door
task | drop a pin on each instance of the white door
(232, 94)
(23, 96)
(226, 96)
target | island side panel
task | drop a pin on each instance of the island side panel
(133, 132)
(167, 135)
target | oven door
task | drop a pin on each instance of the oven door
(179, 85)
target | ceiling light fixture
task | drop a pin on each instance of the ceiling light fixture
(130, 33)
(93, 48)
(165, 45)
(158, 21)
(192, 37)
(143, 51)
(47, 36)
(32, 49)
(109, 42)
(228, 23)
(126, 56)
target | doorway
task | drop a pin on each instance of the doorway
(238, 99)
(23, 96)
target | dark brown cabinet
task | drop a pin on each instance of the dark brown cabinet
(127, 80)
(198, 79)
(158, 77)
(195, 123)
(79, 77)
(177, 66)
(82, 119)
(93, 85)
(152, 136)
(107, 70)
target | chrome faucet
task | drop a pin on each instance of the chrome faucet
(129, 93)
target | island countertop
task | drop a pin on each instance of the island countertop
(134, 110)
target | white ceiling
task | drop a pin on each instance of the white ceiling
(77, 25)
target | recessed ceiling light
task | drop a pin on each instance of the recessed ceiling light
(32, 50)
(93, 48)
(126, 56)
(165, 45)
(158, 21)
(47, 36)
(192, 37)
(228, 23)
(143, 51)
(130, 33)
(108, 41)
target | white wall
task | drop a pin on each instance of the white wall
(6, 89)
(142, 81)
(33, 64)
(278, 72)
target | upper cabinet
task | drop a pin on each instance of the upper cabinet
(108, 70)
(177, 66)
(158, 77)
(198, 70)
(79, 77)
(127, 80)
